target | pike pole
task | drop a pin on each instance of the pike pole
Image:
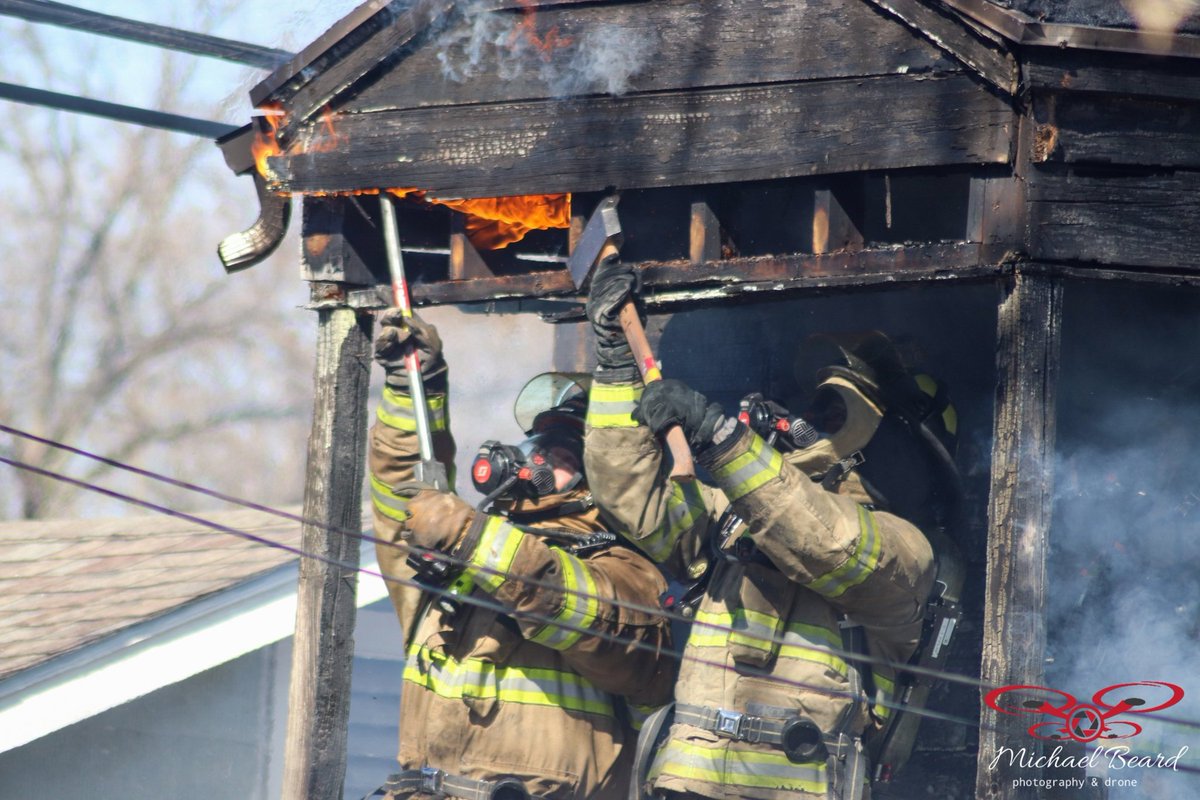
(430, 470)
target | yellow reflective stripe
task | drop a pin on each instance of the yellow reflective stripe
(396, 411)
(580, 605)
(799, 641)
(474, 678)
(638, 714)
(859, 566)
(725, 765)
(685, 507)
(494, 554)
(386, 502)
(885, 693)
(750, 470)
(611, 405)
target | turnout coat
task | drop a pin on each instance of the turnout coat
(545, 685)
(767, 637)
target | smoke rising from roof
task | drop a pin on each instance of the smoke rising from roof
(603, 59)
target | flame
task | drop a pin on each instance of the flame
(265, 145)
(526, 31)
(492, 222)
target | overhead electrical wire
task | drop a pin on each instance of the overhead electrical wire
(478, 601)
(115, 111)
(200, 44)
(42, 11)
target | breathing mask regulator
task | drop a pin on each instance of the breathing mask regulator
(551, 410)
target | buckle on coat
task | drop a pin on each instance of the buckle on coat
(432, 780)
(729, 723)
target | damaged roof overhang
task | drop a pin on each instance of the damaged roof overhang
(976, 34)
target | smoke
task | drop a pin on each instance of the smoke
(603, 59)
(1123, 588)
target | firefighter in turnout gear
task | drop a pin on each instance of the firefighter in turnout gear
(794, 552)
(512, 688)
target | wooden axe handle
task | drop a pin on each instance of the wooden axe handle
(682, 468)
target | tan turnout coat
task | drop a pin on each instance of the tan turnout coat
(763, 636)
(541, 694)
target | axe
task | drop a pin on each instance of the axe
(602, 237)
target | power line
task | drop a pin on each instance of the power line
(491, 605)
(200, 44)
(115, 111)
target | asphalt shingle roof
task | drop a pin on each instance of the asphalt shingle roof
(67, 583)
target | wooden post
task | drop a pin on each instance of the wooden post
(1014, 634)
(314, 765)
(704, 235)
(833, 230)
(465, 261)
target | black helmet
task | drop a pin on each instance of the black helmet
(866, 399)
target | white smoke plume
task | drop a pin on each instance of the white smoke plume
(604, 59)
(1123, 588)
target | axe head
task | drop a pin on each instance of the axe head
(603, 226)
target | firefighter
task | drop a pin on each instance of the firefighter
(800, 558)
(532, 690)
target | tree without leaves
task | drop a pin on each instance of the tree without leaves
(122, 334)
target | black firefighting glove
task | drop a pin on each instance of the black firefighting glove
(396, 335)
(613, 283)
(671, 402)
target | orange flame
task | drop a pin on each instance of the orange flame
(527, 29)
(492, 222)
(264, 145)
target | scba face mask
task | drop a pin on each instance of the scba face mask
(544, 464)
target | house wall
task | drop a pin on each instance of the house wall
(216, 736)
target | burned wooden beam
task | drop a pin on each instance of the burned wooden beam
(982, 53)
(665, 45)
(833, 230)
(1014, 634)
(1135, 219)
(1102, 129)
(465, 261)
(669, 139)
(704, 234)
(954, 261)
(319, 693)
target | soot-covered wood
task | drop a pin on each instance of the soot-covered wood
(670, 139)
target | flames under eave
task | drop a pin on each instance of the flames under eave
(491, 223)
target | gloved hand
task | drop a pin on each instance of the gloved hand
(436, 520)
(672, 402)
(612, 284)
(396, 335)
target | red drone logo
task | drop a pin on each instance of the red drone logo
(1083, 722)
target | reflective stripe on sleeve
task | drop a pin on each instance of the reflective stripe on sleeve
(730, 767)
(859, 566)
(386, 502)
(396, 411)
(494, 554)
(802, 642)
(475, 678)
(580, 604)
(611, 405)
(749, 470)
(685, 507)
(885, 694)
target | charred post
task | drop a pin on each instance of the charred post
(1014, 634)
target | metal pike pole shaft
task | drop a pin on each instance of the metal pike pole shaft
(430, 470)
